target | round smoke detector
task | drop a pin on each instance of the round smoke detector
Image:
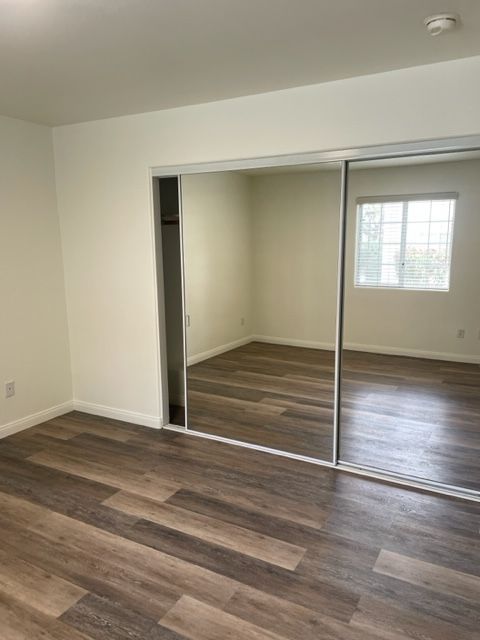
(441, 23)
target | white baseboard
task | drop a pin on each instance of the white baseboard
(205, 355)
(155, 422)
(412, 353)
(35, 418)
(293, 342)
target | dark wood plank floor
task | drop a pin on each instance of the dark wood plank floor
(111, 531)
(274, 395)
(414, 416)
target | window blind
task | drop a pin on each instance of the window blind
(405, 242)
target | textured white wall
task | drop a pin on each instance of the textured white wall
(104, 198)
(33, 325)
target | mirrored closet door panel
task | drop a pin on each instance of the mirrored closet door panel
(260, 256)
(411, 375)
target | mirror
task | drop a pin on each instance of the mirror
(260, 251)
(410, 377)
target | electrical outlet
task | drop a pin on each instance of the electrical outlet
(10, 389)
(460, 333)
(242, 321)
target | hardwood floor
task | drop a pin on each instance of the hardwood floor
(274, 395)
(112, 531)
(409, 415)
(415, 416)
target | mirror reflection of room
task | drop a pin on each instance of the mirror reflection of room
(261, 251)
(411, 380)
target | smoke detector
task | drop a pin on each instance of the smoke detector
(441, 23)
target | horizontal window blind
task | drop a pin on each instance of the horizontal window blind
(405, 242)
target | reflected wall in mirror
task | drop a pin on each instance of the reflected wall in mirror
(411, 380)
(261, 252)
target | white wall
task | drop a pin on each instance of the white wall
(104, 198)
(33, 324)
(295, 231)
(218, 260)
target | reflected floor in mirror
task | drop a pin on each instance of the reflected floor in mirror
(409, 415)
(273, 395)
(414, 416)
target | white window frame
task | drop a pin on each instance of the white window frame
(405, 200)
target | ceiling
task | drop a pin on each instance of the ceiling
(64, 61)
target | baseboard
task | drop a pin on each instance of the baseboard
(155, 422)
(205, 355)
(35, 418)
(412, 353)
(293, 342)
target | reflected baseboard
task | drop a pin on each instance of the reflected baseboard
(293, 342)
(371, 348)
(412, 353)
(330, 346)
(216, 351)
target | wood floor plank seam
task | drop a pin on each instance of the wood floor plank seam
(429, 575)
(31, 585)
(246, 541)
(19, 621)
(171, 570)
(211, 623)
(143, 484)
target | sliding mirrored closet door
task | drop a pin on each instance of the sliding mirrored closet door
(260, 272)
(411, 380)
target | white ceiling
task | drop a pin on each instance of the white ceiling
(65, 61)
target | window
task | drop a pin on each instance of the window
(405, 242)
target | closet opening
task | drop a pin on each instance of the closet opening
(168, 246)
